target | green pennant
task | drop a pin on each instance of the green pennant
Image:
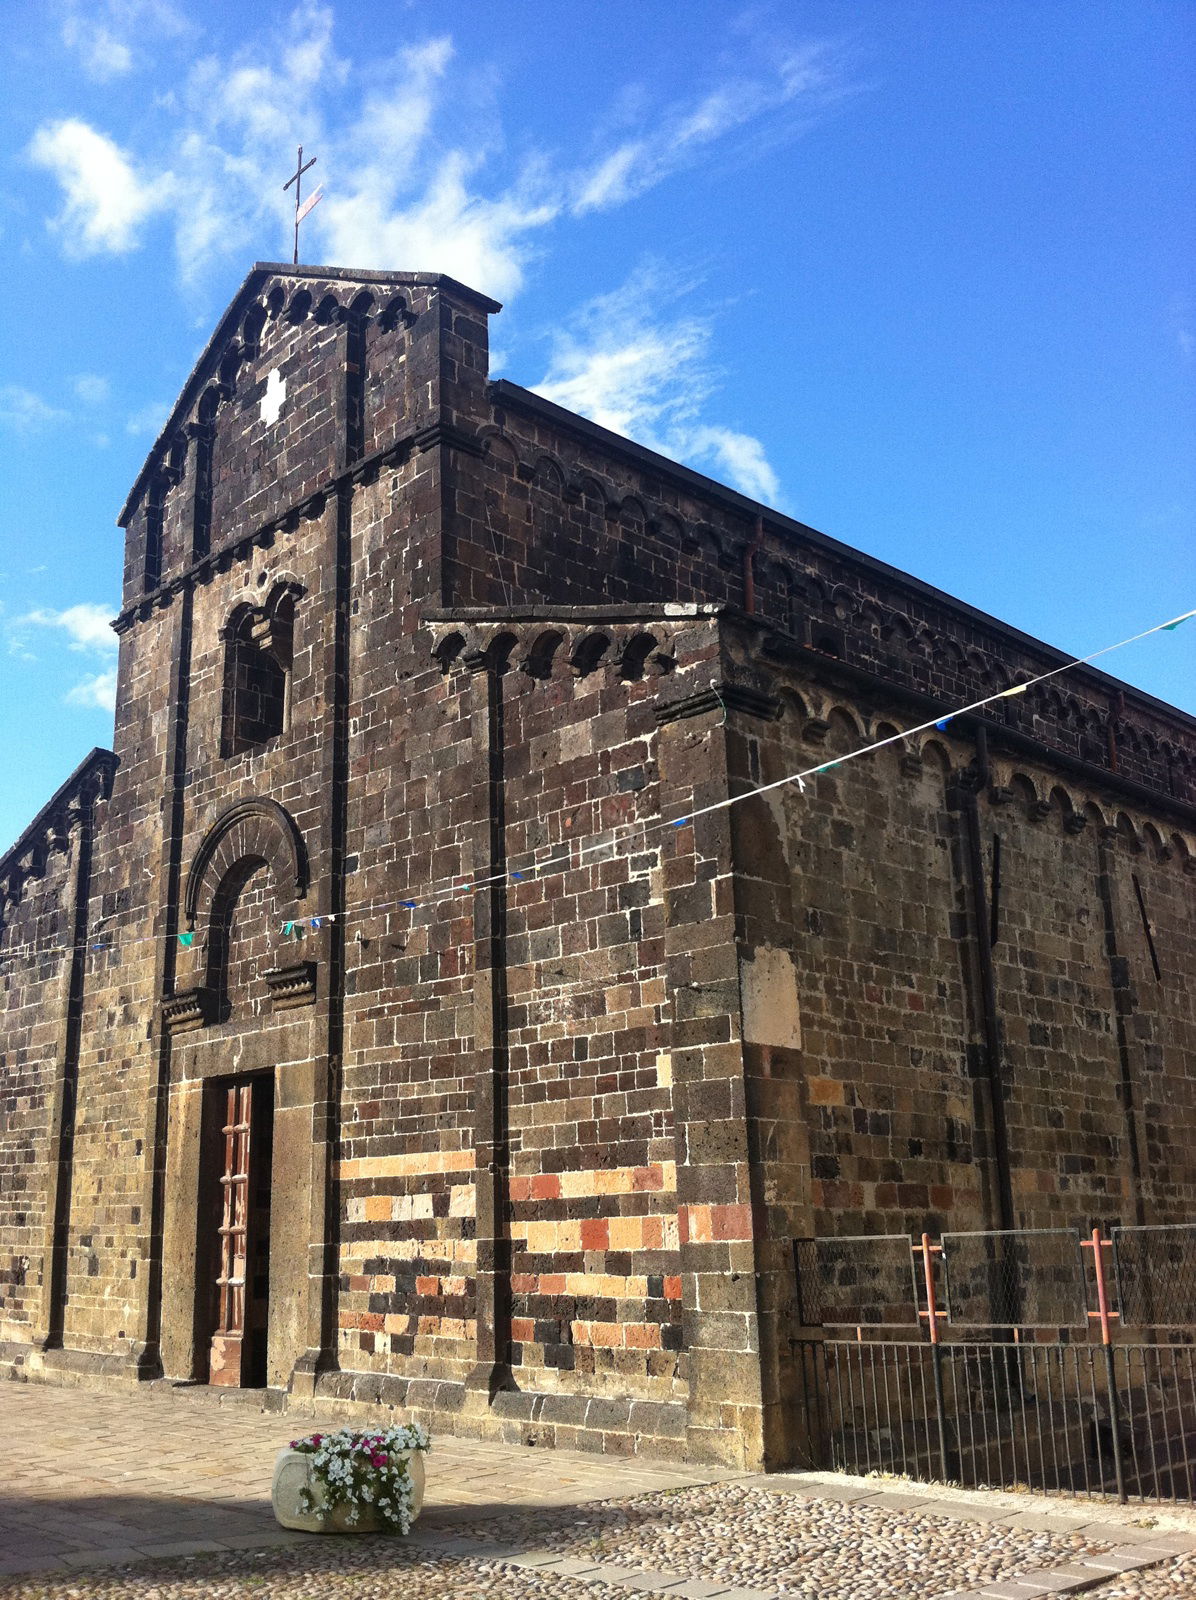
(186, 940)
(1170, 627)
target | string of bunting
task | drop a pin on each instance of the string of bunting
(573, 853)
(568, 857)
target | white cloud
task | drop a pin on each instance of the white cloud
(106, 200)
(25, 412)
(631, 366)
(93, 391)
(627, 373)
(98, 692)
(409, 172)
(611, 182)
(737, 457)
(445, 229)
(148, 420)
(87, 626)
(88, 631)
(104, 56)
(105, 33)
(806, 80)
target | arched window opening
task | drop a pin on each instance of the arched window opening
(396, 312)
(635, 656)
(251, 332)
(259, 645)
(299, 307)
(589, 653)
(230, 365)
(829, 641)
(542, 654)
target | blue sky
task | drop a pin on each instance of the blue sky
(918, 273)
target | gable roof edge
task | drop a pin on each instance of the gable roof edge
(257, 275)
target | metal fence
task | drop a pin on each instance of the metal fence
(995, 1359)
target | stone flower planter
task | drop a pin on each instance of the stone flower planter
(293, 1474)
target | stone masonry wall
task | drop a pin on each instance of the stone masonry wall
(558, 1074)
(45, 888)
(855, 909)
(34, 961)
(564, 509)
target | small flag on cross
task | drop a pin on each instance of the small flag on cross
(310, 204)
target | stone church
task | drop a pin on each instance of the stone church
(372, 1034)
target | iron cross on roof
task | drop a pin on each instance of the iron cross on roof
(302, 210)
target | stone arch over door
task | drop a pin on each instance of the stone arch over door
(269, 1056)
(253, 836)
(251, 829)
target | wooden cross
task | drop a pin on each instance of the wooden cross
(300, 211)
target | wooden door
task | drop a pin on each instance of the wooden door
(228, 1338)
(235, 1284)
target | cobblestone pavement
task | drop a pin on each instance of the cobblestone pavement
(165, 1497)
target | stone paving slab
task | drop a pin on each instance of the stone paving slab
(140, 1475)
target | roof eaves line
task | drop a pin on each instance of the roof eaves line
(439, 280)
(659, 611)
(505, 390)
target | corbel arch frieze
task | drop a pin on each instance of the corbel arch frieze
(545, 650)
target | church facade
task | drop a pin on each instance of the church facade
(388, 1021)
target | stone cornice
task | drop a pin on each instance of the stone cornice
(312, 504)
(588, 616)
(725, 697)
(900, 587)
(51, 827)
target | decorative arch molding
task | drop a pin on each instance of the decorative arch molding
(255, 828)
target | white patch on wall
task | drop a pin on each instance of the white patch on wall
(768, 993)
(274, 397)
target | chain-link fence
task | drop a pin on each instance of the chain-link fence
(865, 1281)
(1029, 1278)
(1154, 1275)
